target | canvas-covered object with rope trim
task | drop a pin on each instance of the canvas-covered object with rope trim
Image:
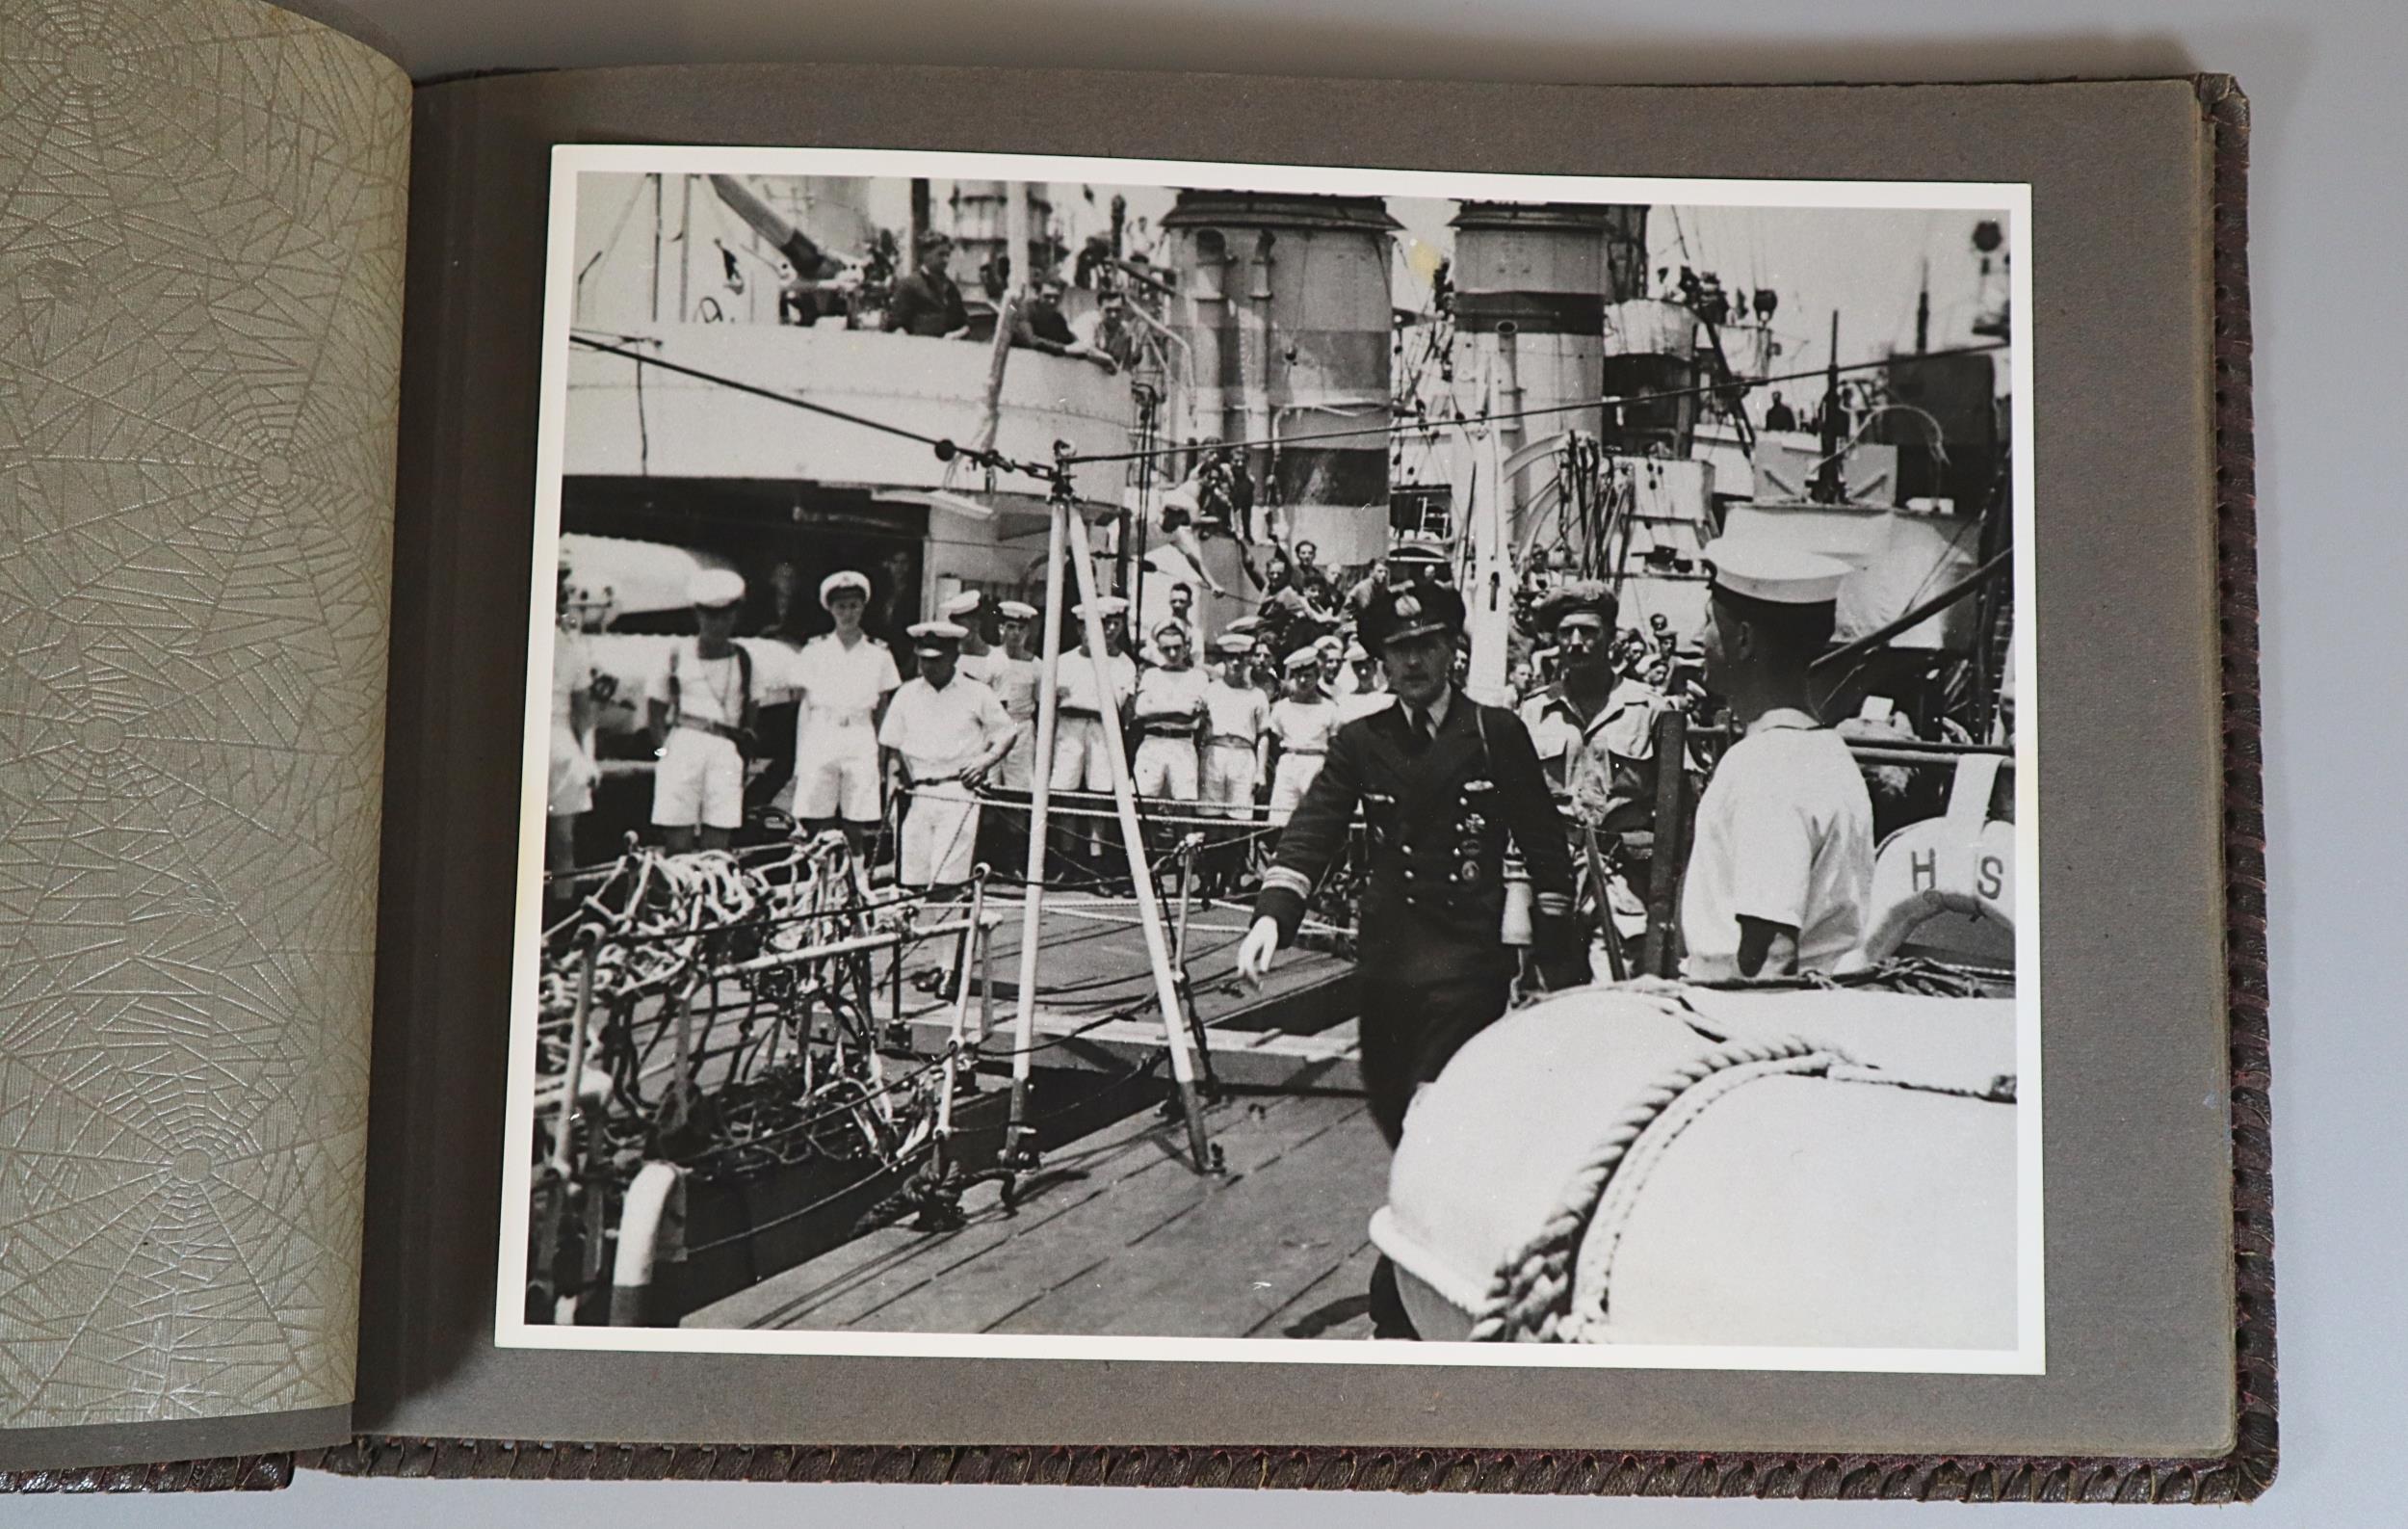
(1789, 1168)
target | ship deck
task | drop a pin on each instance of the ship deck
(1095, 1005)
(1118, 1234)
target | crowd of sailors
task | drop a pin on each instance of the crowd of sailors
(1231, 727)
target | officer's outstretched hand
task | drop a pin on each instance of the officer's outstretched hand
(1260, 949)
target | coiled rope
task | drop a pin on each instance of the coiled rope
(1529, 1295)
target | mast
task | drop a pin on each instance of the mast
(685, 248)
(1488, 614)
(1020, 272)
(1922, 311)
(659, 192)
(918, 224)
(1827, 488)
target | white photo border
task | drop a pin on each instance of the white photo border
(570, 161)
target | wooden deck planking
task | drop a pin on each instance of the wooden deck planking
(1139, 1165)
(1040, 1256)
(1258, 1243)
(1122, 1186)
(875, 1268)
(1335, 1306)
(1327, 1062)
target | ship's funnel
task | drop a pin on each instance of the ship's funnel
(1285, 307)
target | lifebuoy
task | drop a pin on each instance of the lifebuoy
(651, 1232)
(1956, 863)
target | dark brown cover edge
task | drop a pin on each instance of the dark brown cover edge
(232, 1473)
(2240, 1475)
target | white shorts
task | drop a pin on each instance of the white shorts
(1019, 767)
(1229, 777)
(1290, 779)
(940, 837)
(1166, 767)
(572, 777)
(1082, 756)
(699, 782)
(836, 774)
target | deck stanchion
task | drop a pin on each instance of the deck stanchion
(573, 1080)
(1670, 856)
(1041, 790)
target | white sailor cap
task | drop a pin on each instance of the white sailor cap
(1759, 570)
(1177, 629)
(962, 604)
(1329, 645)
(930, 638)
(1107, 607)
(1233, 644)
(715, 589)
(1304, 658)
(1016, 611)
(837, 583)
(1357, 654)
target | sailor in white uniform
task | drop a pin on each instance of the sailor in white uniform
(846, 678)
(700, 708)
(946, 731)
(573, 772)
(1082, 751)
(967, 610)
(1366, 689)
(1170, 707)
(1237, 730)
(1302, 723)
(1011, 670)
(1780, 871)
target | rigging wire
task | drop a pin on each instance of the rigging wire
(944, 447)
(1476, 421)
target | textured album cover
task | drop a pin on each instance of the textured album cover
(2175, 1423)
(201, 248)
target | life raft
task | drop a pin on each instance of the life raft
(1783, 1167)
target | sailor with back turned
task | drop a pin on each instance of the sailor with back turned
(1780, 867)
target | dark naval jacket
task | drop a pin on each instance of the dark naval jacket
(1438, 824)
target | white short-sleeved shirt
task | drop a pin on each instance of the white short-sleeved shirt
(1076, 681)
(776, 664)
(1171, 692)
(1361, 703)
(1784, 834)
(1303, 726)
(1014, 680)
(706, 689)
(942, 732)
(842, 684)
(1236, 711)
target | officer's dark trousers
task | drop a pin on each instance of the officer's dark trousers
(1410, 1031)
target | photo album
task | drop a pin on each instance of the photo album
(826, 772)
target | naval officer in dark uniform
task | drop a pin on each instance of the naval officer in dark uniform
(1445, 785)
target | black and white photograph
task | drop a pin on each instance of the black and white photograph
(1129, 759)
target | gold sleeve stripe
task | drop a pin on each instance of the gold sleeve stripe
(1281, 877)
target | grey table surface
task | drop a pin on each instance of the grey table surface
(2330, 221)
